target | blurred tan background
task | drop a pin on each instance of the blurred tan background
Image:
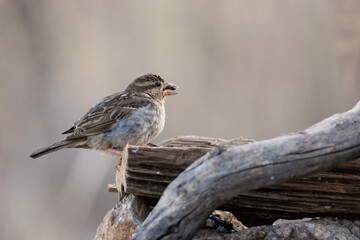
(256, 69)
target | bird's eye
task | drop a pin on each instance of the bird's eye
(157, 84)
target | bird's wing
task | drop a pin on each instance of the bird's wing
(106, 114)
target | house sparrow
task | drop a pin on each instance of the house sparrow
(134, 116)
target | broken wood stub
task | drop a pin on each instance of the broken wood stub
(148, 170)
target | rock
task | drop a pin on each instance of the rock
(324, 229)
(122, 221)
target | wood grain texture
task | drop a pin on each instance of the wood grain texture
(222, 174)
(147, 171)
(335, 192)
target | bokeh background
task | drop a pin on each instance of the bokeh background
(256, 69)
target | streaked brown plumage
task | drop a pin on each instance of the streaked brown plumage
(133, 116)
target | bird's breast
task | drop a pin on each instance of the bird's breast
(145, 124)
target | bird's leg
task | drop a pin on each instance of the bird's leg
(116, 152)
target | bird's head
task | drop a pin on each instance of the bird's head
(152, 85)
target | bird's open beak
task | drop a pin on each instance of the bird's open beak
(169, 89)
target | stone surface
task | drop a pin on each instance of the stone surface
(123, 220)
(318, 229)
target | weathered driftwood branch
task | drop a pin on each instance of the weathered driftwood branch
(222, 174)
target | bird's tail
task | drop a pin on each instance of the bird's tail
(52, 148)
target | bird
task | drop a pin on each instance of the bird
(133, 116)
